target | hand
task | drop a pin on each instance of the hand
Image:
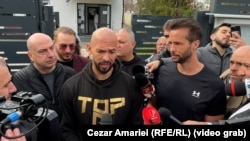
(192, 122)
(13, 133)
(236, 40)
(153, 65)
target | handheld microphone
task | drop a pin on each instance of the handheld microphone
(145, 85)
(138, 69)
(106, 119)
(151, 116)
(235, 89)
(165, 113)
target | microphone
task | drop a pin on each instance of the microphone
(238, 88)
(145, 85)
(138, 69)
(106, 119)
(151, 116)
(235, 89)
(165, 113)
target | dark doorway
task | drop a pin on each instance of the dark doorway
(91, 19)
(86, 24)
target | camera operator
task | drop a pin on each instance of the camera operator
(6, 89)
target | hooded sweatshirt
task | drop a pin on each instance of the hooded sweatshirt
(84, 100)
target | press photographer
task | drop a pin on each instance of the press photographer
(48, 121)
(6, 90)
(22, 112)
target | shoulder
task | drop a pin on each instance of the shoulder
(126, 78)
(225, 74)
(208, 73)
(66, 69)
(79, 57)
(24, 72)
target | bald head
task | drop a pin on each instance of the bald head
(41, 52)
(243, 49)
(103, 34)
(36, 39)
(126, 31)
(242, 52)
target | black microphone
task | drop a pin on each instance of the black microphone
(235, 89)
(106, 119)
(138, 69)
(165, 113)
(145, 85)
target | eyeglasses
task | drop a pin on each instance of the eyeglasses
(64, 46)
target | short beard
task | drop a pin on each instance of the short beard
(102, 71)
(225, 45)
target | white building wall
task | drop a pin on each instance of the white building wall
(239, 20)
(68, 11)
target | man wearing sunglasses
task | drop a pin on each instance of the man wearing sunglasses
(65, 45)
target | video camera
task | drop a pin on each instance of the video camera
(25, 111)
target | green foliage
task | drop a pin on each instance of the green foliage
(181, 8)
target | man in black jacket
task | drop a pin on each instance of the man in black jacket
(125, 50)
(44, 75)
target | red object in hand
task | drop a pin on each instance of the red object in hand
(151, 116)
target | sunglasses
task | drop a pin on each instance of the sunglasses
(64, 46)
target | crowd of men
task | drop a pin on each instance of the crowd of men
(187, 78)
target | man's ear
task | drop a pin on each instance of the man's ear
(30, 56)
(196, 44)
(88, 48)
(134, 44)
(212, 36)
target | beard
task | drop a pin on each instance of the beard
(184, 57)
(103, 70)
(223, 45)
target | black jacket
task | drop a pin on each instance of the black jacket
(30, 80)
(128, 66)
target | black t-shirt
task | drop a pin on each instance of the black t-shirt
(190, 97)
